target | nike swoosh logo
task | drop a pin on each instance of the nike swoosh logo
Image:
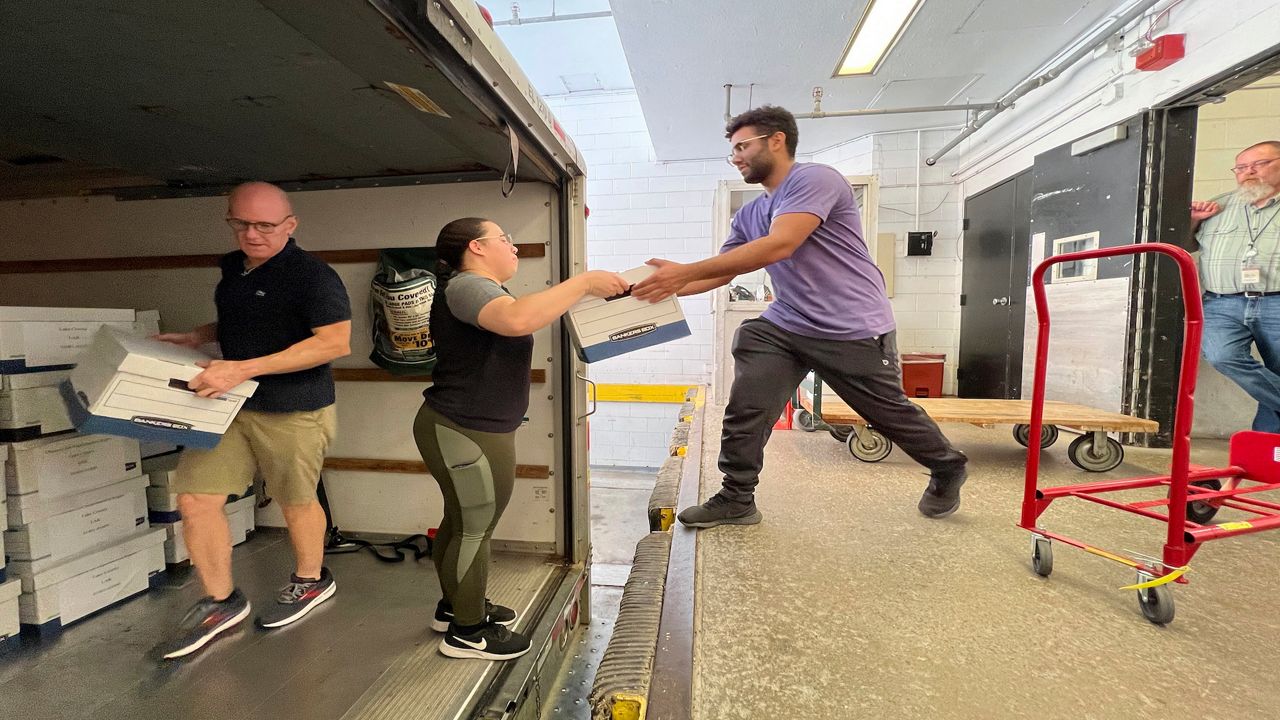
(484, 643)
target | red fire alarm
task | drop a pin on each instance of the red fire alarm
(1164, 51)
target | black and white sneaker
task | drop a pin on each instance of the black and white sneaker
(205, 621)
(298, 598)
(499, 614)
(491, 642)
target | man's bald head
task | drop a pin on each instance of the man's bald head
(262, 217)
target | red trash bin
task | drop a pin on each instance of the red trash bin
(922, 374)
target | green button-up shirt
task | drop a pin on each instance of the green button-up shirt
(1224, 239)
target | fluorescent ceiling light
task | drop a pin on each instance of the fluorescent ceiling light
(881, 25)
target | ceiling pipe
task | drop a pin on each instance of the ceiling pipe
(516, 20)
(1092, 40)
(818, 113)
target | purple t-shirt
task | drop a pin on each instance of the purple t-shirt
(829, 288)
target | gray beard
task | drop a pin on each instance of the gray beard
(1255, 191)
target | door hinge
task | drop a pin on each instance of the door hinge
(963, 297)
(965, 225)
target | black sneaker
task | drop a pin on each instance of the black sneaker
(942, 497)
(719, 510)
(298, 598)
(499, 614)
(204, 622)
(491, 642)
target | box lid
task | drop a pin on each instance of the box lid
(26, 381)
(9, 313)
(10, 590)
(34, 506)
(43, 573)
(157, 359)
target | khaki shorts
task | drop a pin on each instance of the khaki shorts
(286, 448)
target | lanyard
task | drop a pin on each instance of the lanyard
(1248, 221)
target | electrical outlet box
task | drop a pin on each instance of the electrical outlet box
(920, 242)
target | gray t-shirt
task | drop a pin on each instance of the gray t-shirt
(481, 378)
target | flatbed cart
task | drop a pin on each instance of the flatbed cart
(1092, 451)
(1194, 493)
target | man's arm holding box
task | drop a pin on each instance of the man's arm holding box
(786, 233)
(202, 335)
(327, 343)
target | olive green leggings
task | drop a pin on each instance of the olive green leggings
(476, 472)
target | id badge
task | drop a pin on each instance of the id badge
(1250, 275)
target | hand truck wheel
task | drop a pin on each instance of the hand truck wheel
(1156, 602)
(803, 419)
(840, 432)
(1087, 454)
(1201, 513)
(868, 445)
(1048, 435)
(1041, 556)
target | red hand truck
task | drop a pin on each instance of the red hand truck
(1195, 493)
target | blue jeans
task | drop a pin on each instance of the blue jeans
(1232, 325)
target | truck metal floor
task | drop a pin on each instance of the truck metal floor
(367, 653)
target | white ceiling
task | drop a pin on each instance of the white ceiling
(575, 55)
(682, 52)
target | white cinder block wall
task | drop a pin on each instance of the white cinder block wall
(641, 208)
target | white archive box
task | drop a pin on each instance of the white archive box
(240, 519)
(31, 405)
(46, 338)
(607, 327)
(175, 545)
(67, 464)
(73, 589)
(137, 387)
(9, 592)
(61, 528)
(242, 515)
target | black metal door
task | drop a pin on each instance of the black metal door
(993, 289)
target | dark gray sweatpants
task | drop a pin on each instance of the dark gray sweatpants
(770, 362)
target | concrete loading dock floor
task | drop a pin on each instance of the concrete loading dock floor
(846, 602)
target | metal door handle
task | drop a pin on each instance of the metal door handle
(594, 402)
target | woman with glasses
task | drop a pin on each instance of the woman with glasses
(466, 427)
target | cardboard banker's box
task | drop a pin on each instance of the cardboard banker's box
(607, 327)
(137, 387)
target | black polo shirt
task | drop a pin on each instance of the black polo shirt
(272, 307)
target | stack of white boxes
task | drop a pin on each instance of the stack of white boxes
(10, 588)
(162, 507)
(78, 538)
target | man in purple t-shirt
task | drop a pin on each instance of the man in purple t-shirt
(830, 314)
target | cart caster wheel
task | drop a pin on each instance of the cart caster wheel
(1156, 602)
(1041, 556)
(1201, 513)
(1086, 456)
(840, 432)
(1048, 435)
(869, 445)
(803, 419)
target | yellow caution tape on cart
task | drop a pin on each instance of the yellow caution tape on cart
(1159, 581)
(1110, 556)
(1235, 525)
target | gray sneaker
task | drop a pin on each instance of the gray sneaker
(719, 510)
(942, 497)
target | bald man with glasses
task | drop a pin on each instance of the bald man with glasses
(283, 316)
(1239, 238)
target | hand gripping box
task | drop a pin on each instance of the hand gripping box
(137, 387)
(44, 338)
(31, 405)
(607, 327)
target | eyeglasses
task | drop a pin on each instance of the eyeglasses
(262, 227)
(741, 145)
(507, 238)
(1254, 166)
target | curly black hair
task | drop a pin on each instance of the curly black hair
(768, 119)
